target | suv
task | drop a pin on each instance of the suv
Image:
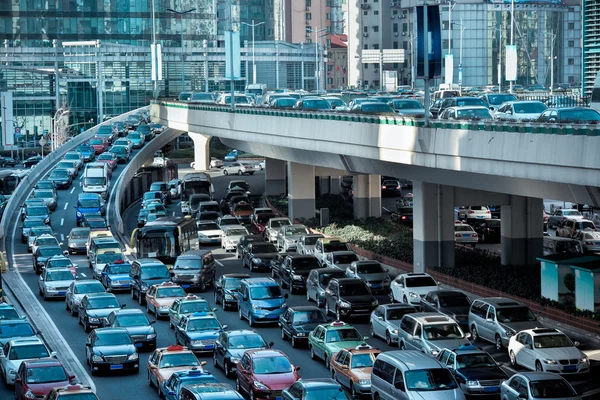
(571, 227)
(496, 319)
(349, 297)
(429, 333)
(294, 271)
(328, 245)
(194, 270)
(144, 273)
(261, 300)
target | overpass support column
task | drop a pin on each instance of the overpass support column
(301, 190)
(367, 196)
(433, 226)
(274, 176)
(522, 230)
(201, 151)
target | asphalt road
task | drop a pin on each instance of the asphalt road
(133, 387)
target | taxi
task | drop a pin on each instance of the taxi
(172, 386)
(160, 298)
(187, 306)
(74, 392)
(199, 331)
(165, 361)
(326, 340)
(352, 368)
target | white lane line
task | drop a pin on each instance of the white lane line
(173, 213)
(72, 189)
(83, 274)
(62, 221)
(66, 205)
(219, 263)
(62, 237)
(386, 210)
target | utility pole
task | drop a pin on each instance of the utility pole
(253, 25)
(231, 68)
(512, 33)
(154, 56)
(427, 99)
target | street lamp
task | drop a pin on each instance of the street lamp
(462, 30)
(499, 59)
(317, 67)
(253, 25)
(181, 13)
(553, 37)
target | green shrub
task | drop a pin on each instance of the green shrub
(570, 308)
(280, 202)
(181, 153)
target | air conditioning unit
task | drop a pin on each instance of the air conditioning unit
(396, 34)
(403, 33)
(404, 15)
(365, 34)
(393, 17)
(307, 8)
(308, 22)
(401, 69)
(365, 6)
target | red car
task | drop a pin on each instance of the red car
(35, 379)
(258, 222)
(99, 145)
(264, 373)
(108, 158)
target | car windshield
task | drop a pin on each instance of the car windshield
(103, 302)
(334, 246)
(162, 293)
(8, 313)
(318, 104)
(376, 108)
(246, 341)
(243, 207)
(354, 289)
(59, 276)
(264, 248)
(208, 227)
(133, 135)
(429, 379)
(210, 207)
(579, 115)
(344, 258)
(326, 277)
(551, 389)
(26, 352)
(475, 360)
(473, 113)
(49, 251)
(305, 263)
(40, 230)
(571, 213)
(119, 269)
(30, 223)
(236, 232)
(265, 292)
(271, 365)
(364, 360)
(94, 180)
(309, 317)
(552, 341)
(311, 240)
(74, 157)
(85, 288)
(118, 149)
(336, 102)
(46, 241)
(407, 105)
(454, 300)
(96, 223)
(278, 223)
(105, 156)
(59, 174)
(178, 360)
(421, 281)
(127, 320)
(462, 228)
(397, 314)
(343, 335)
(497, 99)
(90, 203)
(203, 324)
(529, 108)
(112, 339)
(41, 194)
(96, 141)
(514, 314)
(371, 268)
(442, 331)
(48, 374)
(155, 272)
(263, 218)
(108, 258)
(15, 330)
(296, 230)
(284, 102)
(37, 210)
(194, 306)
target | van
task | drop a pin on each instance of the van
(95, 180)
(144, 273)
(560, 245)
(194, 270)
(260, 300)
(328, 245)
(430, 332)
(101, 243)
(407, 374)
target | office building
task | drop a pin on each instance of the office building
(337, 62)
(591, 43)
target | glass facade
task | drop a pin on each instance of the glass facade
(591, 43)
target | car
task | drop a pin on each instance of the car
(305, 389)
(211, 216)
(465, 234)
(105, 132)
(231, 236)
(162, 187)
(239, 185)
(340, 259)
(175, 188)
(49, 197)
(146, 131)
(88, 203)
(151, 196)
(8, 312)
(61, 178)
(17, 351)
(37, 210)
(288, 236)
(372, 273)
(137, 325)
(537, 385)
(488, 231)
(430, 332)
(186, 384)
(326, 340)
(45, 239)
(141, 217)
(194, 270)
(306, 243)
(71, 392)
(77, 290)
(410, 287)
(36, 232)
(61, 261)
(16, 329)
(283, 103)
(95, 221)
(297, 322)
(273, 226)
(187, 306)
(570, 227)
(239, 194)
(242, 212)
(227, 220)
(160, 297)
(562, 215)
(408, 108)
(35, 379)
(317, 282)
(243, 243)
(166, 361)
(121, 153)
(547, 350)
(94, 309)
(520, 110)
(7, 162)
(590, 240)
(115, 276)
(497, 319)
(28, 223)
(31, 161)
(216, 163)
(391, 188)
(42, 254)
(352, 368)
(30, 202)
(198, 331)
(55, 282)
(87, 152)
(75, 157)
(385, 321)
(124, 141)
(452, 303)
(109, 159)
(238, 168)
(561, 115)
(137, 139)
(234, 200)
(106, 257)
(70, 166)
(111, 349)
(258, 221)
(348, 297)
(294, 271)
(262, 373)
(260, 300)
(258, 256)
(77, 239)
(328, 245)
(145, 272)
(277, 264)
(226, 290)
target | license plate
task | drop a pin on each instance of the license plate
(466, 235)
(570, 368)
(62, 293)
(116, 366)
(492, 208)
(272, 316)
(185, 286)
(138, 345)
(277, 398)
(490, 389)
(210, 346)
(480, 217)
(214, 240)
(376, 285)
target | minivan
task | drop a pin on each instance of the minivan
(260, 300)
(327, 245)
(407, 374)
(496, 319)
(430, 332)
(144, 273)
(194, 270)
(560, 245)
(95, 180)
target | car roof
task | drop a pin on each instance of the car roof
(263, 353)
(235, 276)
(26, 342)
(410, 359)
(432, 318)
(543, 331)
(539, 376)
(43, 363)
(501, 302)
(318, 383)
(260, 281)
(242, 332)
(343, 253)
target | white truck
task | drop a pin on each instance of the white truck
(95, 180)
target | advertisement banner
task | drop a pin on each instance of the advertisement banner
(449, 68)
(232, 55)
(527, 1)
(156, 54)
(511, 63)
(8, 130)
(434, 42)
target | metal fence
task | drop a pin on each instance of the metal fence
(556, 100)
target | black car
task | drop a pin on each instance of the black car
(391, 187)
(111, 349)
(349, 297)
(452, 303)
(259, 256)
(226, 288)
(31, 161)
(28, 223)
(231, 345)
(488, 230)
(94, 310)
(295, 270)
(7, 162)
(61, 178)
(138, 326)
(224, 203)
(495, 211)
(43, 253)
(245, 241)
(277, 263)
(297, 322)
(121, 153)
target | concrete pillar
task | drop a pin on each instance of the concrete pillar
(201, 151)
(522, 230)
(301, 190)
(274, 176)
(367, 196)
(433, 226)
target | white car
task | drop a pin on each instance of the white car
(306, 243)
(55, 282)
(239, 168)
(340, 259)
(465, 234)
(474, 212)
(44, 240)
(410, 288)
(590, 240)
(288, 236)
(216, 163)
(231, 236)
(521, 110)
(273, 226)
(547, 350)
(18, 350)
(262, 165)
(209, 232)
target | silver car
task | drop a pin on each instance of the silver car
(306, 243)
(55, 282)
(35, 232)
(590, 240)
(77, 290)
(429, 333)
(231, 236)
(340, 259)
(77, 240)
(372, 273)
(288, 236)
(273, 226)
(537, 385)
(385, 321)
(49, 197)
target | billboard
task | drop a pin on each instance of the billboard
(527, 1)
(8, 130)
(434, 43)
(511, 63)
(232, 55)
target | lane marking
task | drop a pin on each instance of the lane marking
(66, 205)
(62, 237)
(219, 263)
(62, 221)
(83, 274)
(386, 210)
(173, 213)
(73, 189)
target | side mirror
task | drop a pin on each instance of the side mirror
(365, 338)
(285, 296)
(345, 367)
(224, 327)
(65, 253)
(53, 354)
(123, 305)
(297, 368)
(576, 343)
(152, 322)
(71, 377)
(245, 372)
(490, 320)
(399, 386)
(270, 344)
(136, 277)
(416, 337)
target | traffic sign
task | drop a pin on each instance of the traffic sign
(43, 141)
(17, 130)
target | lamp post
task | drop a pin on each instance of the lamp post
(253, 25)
(317, 67)
(512, 33)
(553, 37)
(462, 30)
(181, 13)
(499, 59)
(412, 37)
(154, 56)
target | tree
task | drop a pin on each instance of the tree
(61, 125)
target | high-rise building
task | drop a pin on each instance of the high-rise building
(337, 62)
(591, 43)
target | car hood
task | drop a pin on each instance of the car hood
(275, 229)
(89, 210)
(559, 353)
(167, 301)
(5, 340)
(277, 381)
(308, 327)
(78, 242)
(294, 238)
(362, 373)
(374, 277)
(119, 277)
(309, 248)
(269, 303)
(450, 394)
(55, 284)
(266, 256)
(521, 326)
(234, 238)
(482, 373)
(114, 350)
(337, 346)
(411, 111)
(100, 312)
(242, 213)
(211, 232)
(140, 330)
(166, 373)
(449, 343)
(41, 389)
(358, 299)
(457, 312)
(422, 291)
(204, 335)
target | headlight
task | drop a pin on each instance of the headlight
(584, 360)
(256, 260)
(234, 360)
(29, 394)
(96, 358)
(151, 336)
(133, 356)
(375, 303)
(144, 286)
(548, 361)
(296, 277)
(364, 381)
(260, 386)
(79, 214)
(472, 383)
(228, 297)
(201, 235)
(508, 333)
(345, 304)
(395, 331)
(301, 334)
(12, 371)
(434, 352)
(255, 306)
(413, 295)
(198, 342)
(92, 319)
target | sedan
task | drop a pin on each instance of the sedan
(238, 168)
(77, 290)
(473, 113)
(108, 158)
(36, 378)
(7, 162)
(263, 373)
(385, 321)
(306, 243)
(216, 163)
(590, 240)
(465, 234)
(373, 107)
(31, 161)
(563, 215)
(138, 326)
(297, 322)
(523, 110)
(48, 196)
(231, 345)
(226, 289)
(574, 115)
(111, 349)
(55, 282)
(537, 385)
(408, 108)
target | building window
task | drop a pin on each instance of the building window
(405, 45)
(365, 46)
(376, 28)
(571, 9)
(376, 46)
(395, 28)
(376, 83)
(365, 29)
(309, 29)
(395, 66)
(308, 3)
(365, 13)
(376, 12)
(404, 27)
(308, 41)
(571, 79)
(329, 29)
(571, 43)
(571, 61)
(308, 16)
(328, 16)
(571, 25)
(445, 25)
(394, 45)
(365, 66)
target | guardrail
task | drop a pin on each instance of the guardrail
(494, 125)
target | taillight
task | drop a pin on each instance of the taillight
(471, 212)
(473, 235)
(383, 187)
(589, 243)
(403, 217)
(397, 187)
(487, 212)
(457, 234)
(564, 218)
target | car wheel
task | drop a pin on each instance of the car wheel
(171, 326)
(326, 308)
(307, 296)
(227, 369)
(313, 356)
(140, 299)
(353, 393)
(371, 330)
(474, 334)
(483, 237)
(513, 358)
(132, 294)
(159, 392)
(273, 273)
(216, 298)
(225, 172)
(388, 339)
(150, 383)
(294, 343)
(402, 346)
(498, 342)
(333, 374)
(240, 172)
(86, 327)
(405, 300)
(251, 321)
(215, 363)
(326, 361)
(92, 371)
(392, 300)
(283, 335)
(238, 388)
(240, 313)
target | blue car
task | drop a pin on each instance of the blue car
(88, 203)
(172, 386)
(87, 152)
(198, 331)
(115, 276)
(260, 300)
(232, 155)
